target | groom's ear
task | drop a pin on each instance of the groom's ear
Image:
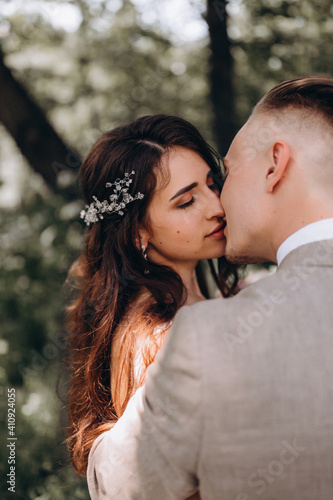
(279, 161)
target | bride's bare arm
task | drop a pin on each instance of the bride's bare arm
(158, 437)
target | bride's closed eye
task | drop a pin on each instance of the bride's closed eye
(213, 186)
(187, 204)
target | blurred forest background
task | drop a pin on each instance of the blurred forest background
(70, 70)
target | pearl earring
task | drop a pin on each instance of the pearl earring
(144, 253)
(143, 250)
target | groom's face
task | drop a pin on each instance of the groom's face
(243, 197)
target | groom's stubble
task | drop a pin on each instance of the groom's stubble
(239, 259)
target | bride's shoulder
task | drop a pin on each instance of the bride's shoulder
(163, 328)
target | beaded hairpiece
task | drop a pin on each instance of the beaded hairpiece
(97, 208)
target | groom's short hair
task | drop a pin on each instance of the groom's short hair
(312, 94)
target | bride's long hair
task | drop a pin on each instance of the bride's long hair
(110, 281)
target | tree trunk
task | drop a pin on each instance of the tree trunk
(221, 73)
(31, 130)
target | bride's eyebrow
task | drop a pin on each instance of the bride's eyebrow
(184, 190)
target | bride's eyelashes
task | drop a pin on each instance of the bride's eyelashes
(213, 187)
(187, 204)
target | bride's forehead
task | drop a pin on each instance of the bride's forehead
(179, 171)
(185, 174)
(182, 161)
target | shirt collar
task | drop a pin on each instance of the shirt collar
(317, 231)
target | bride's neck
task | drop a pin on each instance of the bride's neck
(189, 278)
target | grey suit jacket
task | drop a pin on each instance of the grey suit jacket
(239, 402)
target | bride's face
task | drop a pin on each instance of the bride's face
(185, 215)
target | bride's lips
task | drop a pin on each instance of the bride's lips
(217, 233)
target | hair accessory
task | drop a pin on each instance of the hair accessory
(97, 208)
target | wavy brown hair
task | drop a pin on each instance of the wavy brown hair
(115, 299)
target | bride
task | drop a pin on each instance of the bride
(153, 214)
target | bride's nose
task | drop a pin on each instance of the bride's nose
(214, 207)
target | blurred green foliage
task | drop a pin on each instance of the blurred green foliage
(275, 40)
(113, 68)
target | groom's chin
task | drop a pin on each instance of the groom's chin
(243, 259)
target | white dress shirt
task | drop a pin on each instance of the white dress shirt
(317, 231)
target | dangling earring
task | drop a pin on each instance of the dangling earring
(144, 253)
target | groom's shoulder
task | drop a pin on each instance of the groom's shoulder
(212, 328)
(304, 270)
(302, 283)
(270, 287)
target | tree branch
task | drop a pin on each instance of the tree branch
(34, 135)
(221, 75)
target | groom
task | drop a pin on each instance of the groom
(239, 402)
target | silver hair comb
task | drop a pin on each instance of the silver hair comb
(97, 208)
